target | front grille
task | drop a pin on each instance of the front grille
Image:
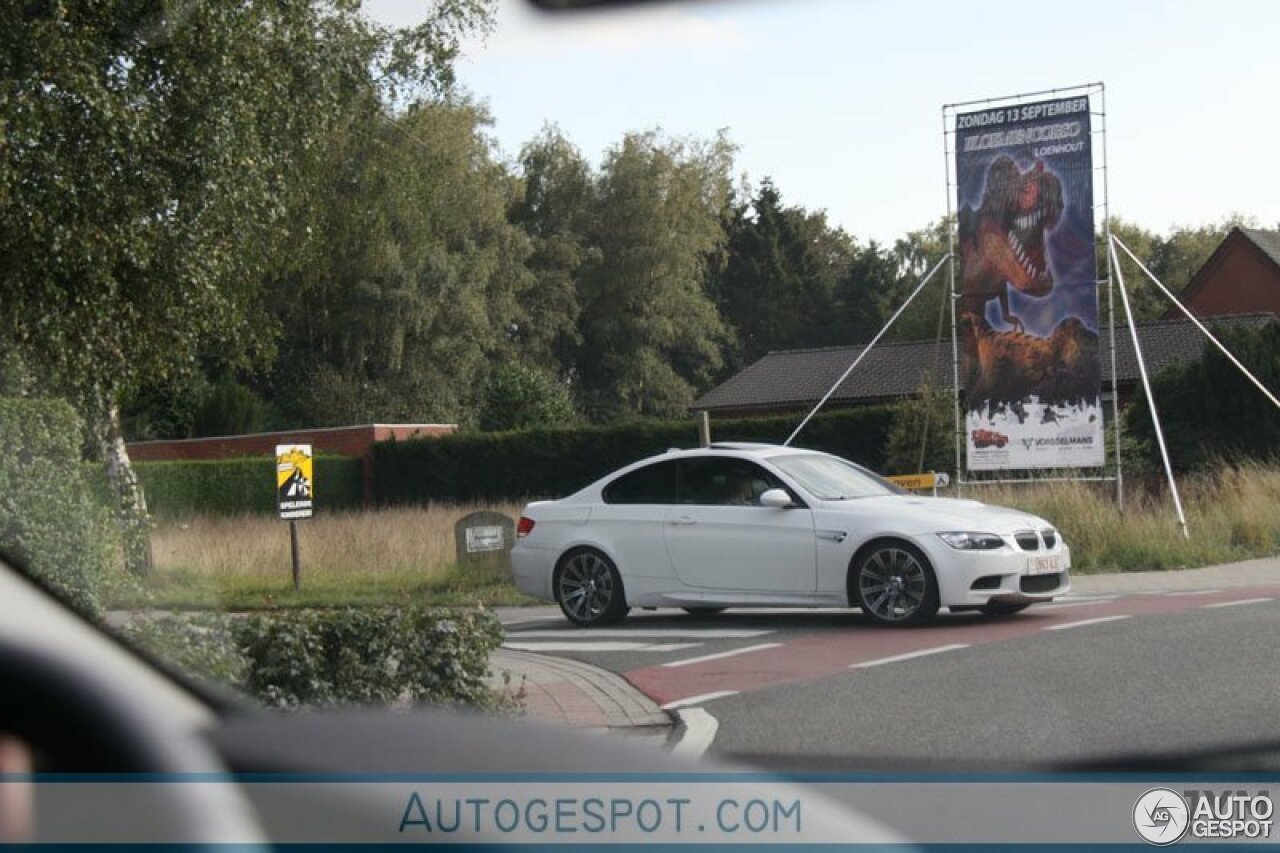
(1040, 583)
(1027, 540)
(1050, 537)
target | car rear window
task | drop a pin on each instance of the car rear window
(652, 484)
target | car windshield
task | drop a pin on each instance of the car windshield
(327, 326)
(831, 479)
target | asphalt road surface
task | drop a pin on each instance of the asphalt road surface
(1086, 681)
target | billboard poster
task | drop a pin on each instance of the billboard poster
(1027, 312)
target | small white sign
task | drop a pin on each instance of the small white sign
(487, 538)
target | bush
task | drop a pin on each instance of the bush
(49, 519)
(557, 462)
(1211, 413)
(518, 396)
(317, 658)
(229, 486)
(926, 421)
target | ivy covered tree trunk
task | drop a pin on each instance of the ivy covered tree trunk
(128, 501)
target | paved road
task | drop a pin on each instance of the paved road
(1090, 677)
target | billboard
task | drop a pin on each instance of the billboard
(1027, 312)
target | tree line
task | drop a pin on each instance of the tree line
(429, 279)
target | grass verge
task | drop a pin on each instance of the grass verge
(242, 562)
(1233, 513)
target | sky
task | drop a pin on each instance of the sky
(840, 102)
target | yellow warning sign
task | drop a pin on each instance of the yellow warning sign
(295, 485)
(920, 482)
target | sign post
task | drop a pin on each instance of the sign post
(295, 493)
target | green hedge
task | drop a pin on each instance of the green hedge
(226, 486)
(556, 462)
(315, 658)
(49, 518)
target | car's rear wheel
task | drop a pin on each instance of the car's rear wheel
(1004, 608)
(589, 589)
(894, 584)
(703, 611)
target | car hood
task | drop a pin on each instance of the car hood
(939, 514)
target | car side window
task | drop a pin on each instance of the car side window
(652, 484)
(724, 481)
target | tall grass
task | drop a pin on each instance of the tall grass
(1233, 513)
(346, 557)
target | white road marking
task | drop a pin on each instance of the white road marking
(698, 700)
(1065, 605)
(699, 731)
(600, 647)
(686, 633)
(909, 655)
(1086, 598)
(718, 655)
(1195, 592)
(1241, 601)
(1083, 622)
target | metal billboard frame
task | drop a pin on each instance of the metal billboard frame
(1097, 109)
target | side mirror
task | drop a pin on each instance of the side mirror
(777, 499)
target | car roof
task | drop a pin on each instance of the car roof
(747, 449)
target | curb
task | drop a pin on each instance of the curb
(570, 692)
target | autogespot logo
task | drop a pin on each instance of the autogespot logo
(1161, 816)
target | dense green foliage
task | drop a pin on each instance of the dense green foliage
(48, 519)
(557, 462)
(228, 486)
(1210, 412)
(520, 396)
(922, 436)
(318, 658)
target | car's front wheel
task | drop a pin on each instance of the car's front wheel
(589, 589)
(894, 584)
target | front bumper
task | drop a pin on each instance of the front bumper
(974, 578)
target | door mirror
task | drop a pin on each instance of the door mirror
(776, 498)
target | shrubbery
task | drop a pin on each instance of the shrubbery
(1209, 410)
(227, 486)
(315, 658)
(49, 519)
(557, 462)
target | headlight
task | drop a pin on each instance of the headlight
(964, 541)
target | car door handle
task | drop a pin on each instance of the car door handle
(683, 521)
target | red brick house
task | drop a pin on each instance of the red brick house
(1242, 276)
